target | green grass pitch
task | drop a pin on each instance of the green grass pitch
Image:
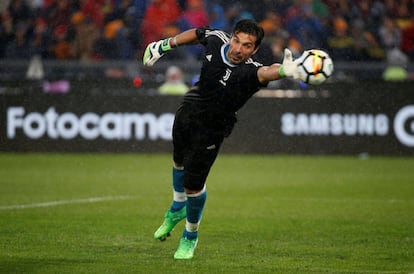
(96, 213)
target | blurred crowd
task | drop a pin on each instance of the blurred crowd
(351, 30)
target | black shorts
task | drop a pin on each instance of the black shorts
(197, 138)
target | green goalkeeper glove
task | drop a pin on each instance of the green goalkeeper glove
(155, 51)
(289, 68)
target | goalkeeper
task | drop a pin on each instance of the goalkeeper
(229, 77)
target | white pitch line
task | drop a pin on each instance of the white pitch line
(66, 202)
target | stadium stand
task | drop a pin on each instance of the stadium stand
(119, 29)
(81, 40)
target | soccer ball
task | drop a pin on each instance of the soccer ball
(315, 66)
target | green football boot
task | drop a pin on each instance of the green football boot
(171, 219)
(186, 249)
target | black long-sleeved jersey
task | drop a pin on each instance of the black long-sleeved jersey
(222, 87)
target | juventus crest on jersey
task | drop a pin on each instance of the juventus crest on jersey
(227, 84)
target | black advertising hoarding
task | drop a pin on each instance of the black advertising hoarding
(373, 118)
(73, 123)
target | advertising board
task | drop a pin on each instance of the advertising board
(373, 119)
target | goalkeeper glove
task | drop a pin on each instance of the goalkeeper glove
(289, 68)
(155, 51)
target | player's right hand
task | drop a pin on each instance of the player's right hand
(290, 67)
(155, 51)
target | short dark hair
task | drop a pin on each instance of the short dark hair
(250, 27)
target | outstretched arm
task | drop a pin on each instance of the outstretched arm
(188, 37)
(288, 68)
(269, 73)
(156, 50)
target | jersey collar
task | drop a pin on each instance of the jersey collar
(224, 49)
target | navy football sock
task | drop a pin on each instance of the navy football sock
(195, 206)
(179, 198)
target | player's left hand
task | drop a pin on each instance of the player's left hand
(155, 51)
(289, 66)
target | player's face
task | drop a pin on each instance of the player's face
(242, 47)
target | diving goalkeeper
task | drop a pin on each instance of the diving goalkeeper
(229, 77)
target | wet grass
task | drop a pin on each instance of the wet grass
(96, 213)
